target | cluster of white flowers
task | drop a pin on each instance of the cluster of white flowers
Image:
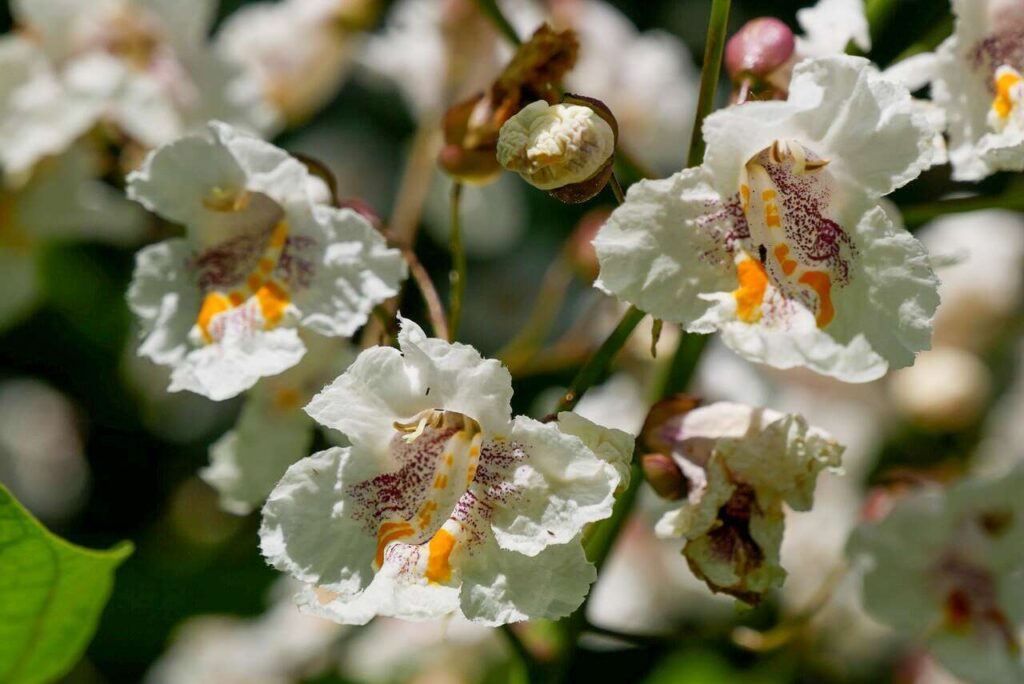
(437, 500)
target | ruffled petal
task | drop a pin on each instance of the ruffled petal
(501, 586)
(544, 486)
(385, 385)
(311, 528)
(164, 299)
(663, 248)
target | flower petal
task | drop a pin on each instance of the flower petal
(384, 385)
(246, 463)
(164, 299)
(309, 526)
(546, 489)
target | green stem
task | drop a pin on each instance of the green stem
(595, 367)
(915, 215)
(457, 276)
(713, 49)
(683, 365)
(878, 13)
(526, 659)
(490, 9)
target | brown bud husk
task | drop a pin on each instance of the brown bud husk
(320, 170)
(664, 476)
(575, 193)
(660, 433)
(471, 127)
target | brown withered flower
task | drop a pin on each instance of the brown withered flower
(471, 127)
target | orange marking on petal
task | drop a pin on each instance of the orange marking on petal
(441, 481)
(273, 300)
(474, 451)
(821, 283)
(214, 303)
(388, 533)
(753, 284)
(1003, 103)
(266, 265)
(788, 265)
(449, 459)
(236, 298)
(745, 195)
(439, 568)
(767, 195)
(771, 216)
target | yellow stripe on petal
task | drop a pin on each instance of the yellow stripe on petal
(1006, 79)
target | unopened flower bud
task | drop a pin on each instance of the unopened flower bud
(664, 476)
(759, 48)
(661, 431)
(557, 146)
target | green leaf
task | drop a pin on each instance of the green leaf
(51, 596)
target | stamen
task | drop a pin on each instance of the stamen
(412, 430)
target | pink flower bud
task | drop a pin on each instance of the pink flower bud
(759, 48)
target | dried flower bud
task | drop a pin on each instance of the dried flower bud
(759, 48)
(471, 127)
(664, 476)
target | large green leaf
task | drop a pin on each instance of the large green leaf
(51, 596)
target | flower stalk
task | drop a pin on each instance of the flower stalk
(457, 276)
(713, 50)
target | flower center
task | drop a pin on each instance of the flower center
(785, 193)
(130, 33)
(268, 296)
(437, 454)
(1009, 86)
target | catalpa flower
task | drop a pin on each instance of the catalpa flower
(273, 431)
(299, 51)
(740, 465)
(948, 565)
(778, 239)
(141, 65)
(443, 504)
(59, 200)
(223, 305)
(979, 85)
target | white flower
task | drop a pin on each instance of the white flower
(947, 389)
(949, 565)
(41, 449)
(778, 240)
(646, 78)
(442, 504)
(299, 51)
(829, 27)
(985, 285)
(272, 430)
(434, 53)
(36, 116)
(280, 646)
(222, 305)
(978, 84)
(741, 465)
(142, 65)
(59, 200)
(552, 146)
